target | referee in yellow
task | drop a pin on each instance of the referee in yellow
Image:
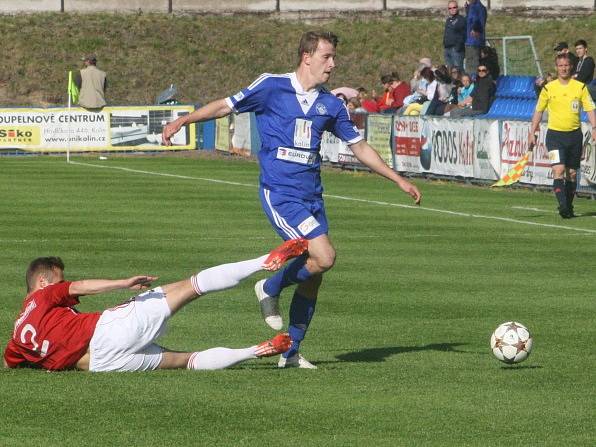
(564, 98)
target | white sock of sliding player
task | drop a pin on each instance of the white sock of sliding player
(220, 358)
(225, 276)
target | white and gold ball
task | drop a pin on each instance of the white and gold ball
(511, 342)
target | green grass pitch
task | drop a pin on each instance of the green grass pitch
(401, 333)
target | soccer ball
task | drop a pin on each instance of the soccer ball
(511, 342)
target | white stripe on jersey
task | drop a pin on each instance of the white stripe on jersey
(280, 221)
(265, 76)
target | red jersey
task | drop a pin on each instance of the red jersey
(49, 332)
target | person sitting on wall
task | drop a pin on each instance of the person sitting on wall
(92, 84)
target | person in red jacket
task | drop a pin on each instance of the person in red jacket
(50, 333)
(368, 104)
(395, 92)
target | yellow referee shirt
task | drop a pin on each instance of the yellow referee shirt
(563, 104)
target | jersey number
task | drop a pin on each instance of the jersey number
(44, 345)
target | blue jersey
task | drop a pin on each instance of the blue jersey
(291, 123)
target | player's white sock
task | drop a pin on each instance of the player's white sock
(225, 276)
(220, 358)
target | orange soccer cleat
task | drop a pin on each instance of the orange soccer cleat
(288, 250)
(276, 345)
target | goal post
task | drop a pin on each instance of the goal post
(517, 55)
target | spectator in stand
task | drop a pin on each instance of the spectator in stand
(420, 100)
(92, 83)
(343, 97)
(456, 75)
(395, 93)
(584, 70)
(442, 95)
(454, 37)
(490, 59)
(354, 106)
(482, 95)
(464, 92)
(368, 104)
(416, 78)
(542, 81)
(563, 48)
(475, 28)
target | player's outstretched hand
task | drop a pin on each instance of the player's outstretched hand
(141, 282)
(411, 190)
(169, 130)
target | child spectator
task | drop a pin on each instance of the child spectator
(368, 104)
(464, 94)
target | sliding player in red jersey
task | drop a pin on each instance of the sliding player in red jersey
(51, 334)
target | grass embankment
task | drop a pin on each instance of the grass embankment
(211, 56)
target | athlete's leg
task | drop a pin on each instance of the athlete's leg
(572, 163)
(216, 278)
(220, 358)
(321, 257)
(570, 188)
(303, 305)
(558, 171)
(225, 276)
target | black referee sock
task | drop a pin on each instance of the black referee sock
(570, 188)
(560, 192)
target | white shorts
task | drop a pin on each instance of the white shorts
(124, 335)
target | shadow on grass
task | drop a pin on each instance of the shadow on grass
(380, 354)
(518, 367)
(590, 214)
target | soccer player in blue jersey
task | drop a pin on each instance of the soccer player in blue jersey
(292, 111)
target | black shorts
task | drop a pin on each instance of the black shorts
(564, 148)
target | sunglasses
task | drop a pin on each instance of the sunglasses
(453, 8)
(482, 70)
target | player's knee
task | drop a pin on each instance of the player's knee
(325, 261)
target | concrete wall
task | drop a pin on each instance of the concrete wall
(571, 4)
(115, 5)
(10, 6)
(224, 6)
(333, 5)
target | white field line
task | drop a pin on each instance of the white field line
(527, 208)
(351, 199)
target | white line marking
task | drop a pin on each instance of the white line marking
(527, 208)
(351, 199)
(543, 211)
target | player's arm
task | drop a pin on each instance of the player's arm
(215, 109)
(537, 117)
(365, 153)
(95, 286)
(592, 118)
